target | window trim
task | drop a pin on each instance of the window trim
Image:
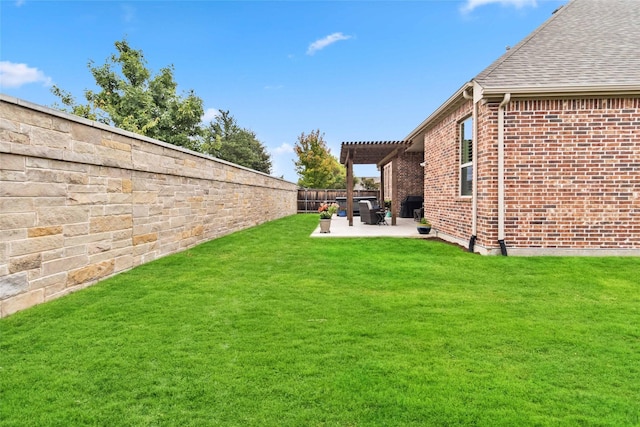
(463, 167)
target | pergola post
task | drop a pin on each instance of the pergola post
(394, 189)
(392, 158)
(382, 195)
(350, 188)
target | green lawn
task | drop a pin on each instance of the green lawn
(268, 327)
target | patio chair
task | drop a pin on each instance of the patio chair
(368, 212)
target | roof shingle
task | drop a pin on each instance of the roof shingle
(587, 43)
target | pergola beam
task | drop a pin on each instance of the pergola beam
(389, 157)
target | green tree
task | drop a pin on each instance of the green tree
(370, 184)
(226, 140)
(134, 100)
(316, 166)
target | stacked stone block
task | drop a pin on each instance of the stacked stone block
(81, 201)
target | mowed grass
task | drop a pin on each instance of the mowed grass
(268, 327)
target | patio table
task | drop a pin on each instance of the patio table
(381, 218)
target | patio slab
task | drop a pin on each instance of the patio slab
(405, 227)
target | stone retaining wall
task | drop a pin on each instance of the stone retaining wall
(81, 201)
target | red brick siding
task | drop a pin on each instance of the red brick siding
(410, 176)
(572, 174)
(572, 171)
(387, 181)
(487, 182)
(447, 211)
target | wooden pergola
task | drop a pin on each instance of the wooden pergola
(377, 153)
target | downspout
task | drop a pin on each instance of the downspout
(474, 201)
(501, 204)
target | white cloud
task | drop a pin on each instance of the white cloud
(209, 115)
(472, 4)
(322, 43)
(283, 149)
(282, 159)
(14, 75)
(273, 87)
(20, 2)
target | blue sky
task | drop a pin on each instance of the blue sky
(356, 70)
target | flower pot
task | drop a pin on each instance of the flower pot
(325, 224)
(423, 229)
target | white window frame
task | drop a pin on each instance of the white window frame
(466, 167)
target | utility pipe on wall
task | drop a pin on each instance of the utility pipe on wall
(501, 204)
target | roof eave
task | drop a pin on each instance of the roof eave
(517, 92)
(449, 103)
(549, 91)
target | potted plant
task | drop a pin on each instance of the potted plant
(326, 211)
(424, 227)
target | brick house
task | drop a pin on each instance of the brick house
(540, 152)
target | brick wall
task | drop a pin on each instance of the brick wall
(410, 178)
(572, 177)
(448, 212)
(387, 180)
(80, 201)
(410, 175)
(487, 182)
(573, 173)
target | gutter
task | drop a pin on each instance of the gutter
(523, 91)
(569, 90)
(501, 204)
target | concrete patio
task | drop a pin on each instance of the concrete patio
(405, 227)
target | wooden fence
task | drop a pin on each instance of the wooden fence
(310, 199)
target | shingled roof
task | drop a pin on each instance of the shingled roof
(586, 43)
(586, 47)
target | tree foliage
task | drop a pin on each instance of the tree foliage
(316, 166)
(226, 140)
(370, 184)
(130, 98)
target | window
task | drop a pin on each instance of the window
(466, 157)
